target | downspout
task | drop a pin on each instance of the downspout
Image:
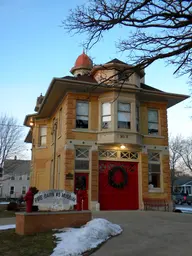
(54, 152)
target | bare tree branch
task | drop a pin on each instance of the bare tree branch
(156, 29)
(10, 141)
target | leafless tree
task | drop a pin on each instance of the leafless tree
(186, 153)
(156, 29)
(174, 156)
(10, 140)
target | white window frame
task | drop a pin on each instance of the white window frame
(22, 190)
(85, 115)
(153, 122)
(10, 190)
(155, 162)
(109, 126)
(42, 136)
(123, 111)
(84, 156)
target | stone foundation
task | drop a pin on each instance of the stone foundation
(30, 223)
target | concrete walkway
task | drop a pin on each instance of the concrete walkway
(148, 233)
(6, 221)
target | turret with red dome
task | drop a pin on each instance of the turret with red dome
(83, 65)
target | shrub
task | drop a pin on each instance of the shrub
(12, 206)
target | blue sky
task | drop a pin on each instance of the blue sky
(34, 48)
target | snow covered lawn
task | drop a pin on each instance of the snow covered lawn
(5, 227)
(75, 241)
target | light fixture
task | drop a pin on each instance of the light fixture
(31, 123)
(122, 147)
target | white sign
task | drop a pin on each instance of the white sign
(55, 200)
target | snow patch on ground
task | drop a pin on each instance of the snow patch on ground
(75, 241)
(5, 227)
(4, 203)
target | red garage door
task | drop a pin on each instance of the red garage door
(111, 198)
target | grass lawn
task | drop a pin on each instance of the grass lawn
(41, 244)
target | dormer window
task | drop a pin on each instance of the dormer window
(106, 115)
(124, 115)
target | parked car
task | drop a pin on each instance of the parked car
(183, 209)
(179, 198)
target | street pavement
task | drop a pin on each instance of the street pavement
(148, 233)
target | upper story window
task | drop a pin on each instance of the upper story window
(12, 177)
(60, 121)
(153, 122)
(154, 169)
(106, 115)
(42, 135)
(124, 115)
(82, 114)
(137, 118)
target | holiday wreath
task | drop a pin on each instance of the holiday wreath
(111, 177)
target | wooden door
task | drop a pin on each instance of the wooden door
(82, 182)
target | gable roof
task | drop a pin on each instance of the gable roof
(116, 61)
(150, 88)
(17, 167)
(182, 181)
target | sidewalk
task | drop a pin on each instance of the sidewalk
(7, 221)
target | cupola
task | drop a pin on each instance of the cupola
(83, 65)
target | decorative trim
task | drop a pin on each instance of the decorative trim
(153, 136)
(118, 155)
(80, 142)
(84, 130)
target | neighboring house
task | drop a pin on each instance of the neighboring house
(15, 177)
(82, 130)
(183, 185)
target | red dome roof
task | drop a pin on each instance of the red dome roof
(83, 61)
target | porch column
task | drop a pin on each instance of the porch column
(94, 178)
